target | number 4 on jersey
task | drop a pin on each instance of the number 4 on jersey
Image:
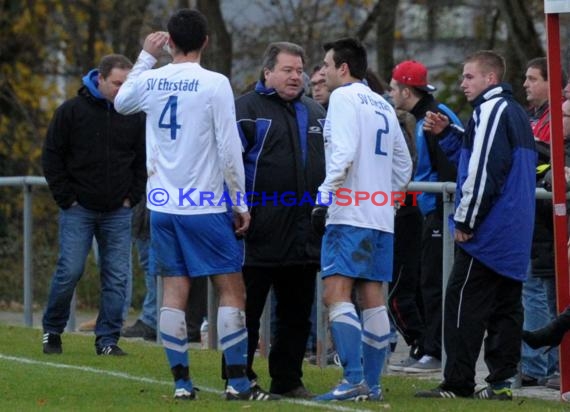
(171, 105)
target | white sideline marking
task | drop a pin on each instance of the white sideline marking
(121, 375)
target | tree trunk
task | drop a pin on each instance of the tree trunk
(384, 16)
(126, 24)
(385, 28)
(523, 43)
(218, 54)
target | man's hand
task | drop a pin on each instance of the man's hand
(462, 236)
(434, 123)
(241, 223)
(154, 43)
(319, 219)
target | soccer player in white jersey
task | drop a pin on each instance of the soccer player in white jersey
(368, 160)
(193, 147)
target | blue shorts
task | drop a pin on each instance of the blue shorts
(357, 253)
(193, 245)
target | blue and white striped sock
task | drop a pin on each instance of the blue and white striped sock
(175, 342)
(346, 332)
(233, 341)
(375, 341)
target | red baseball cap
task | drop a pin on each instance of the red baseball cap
(412, 73)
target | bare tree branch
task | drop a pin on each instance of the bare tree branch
(372, 17)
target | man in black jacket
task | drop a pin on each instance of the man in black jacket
(421, 328)
(284, 161)
(94, 161)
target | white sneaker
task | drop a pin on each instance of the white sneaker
(427, 364)
(402, 364)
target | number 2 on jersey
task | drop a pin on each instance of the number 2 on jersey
(171, 105)
(379, 134)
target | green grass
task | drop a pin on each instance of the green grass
(80, 380)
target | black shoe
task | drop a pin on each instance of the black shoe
(300, 392)
(528, 381)
(255, 393)
(503, 394)
(551, 335)
(52, 343)
(436, 393)
(110, 350)
(139, 330)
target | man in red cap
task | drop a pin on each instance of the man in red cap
(410, 91)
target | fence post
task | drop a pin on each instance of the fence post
(212, 316)
(28, 253)
(322, 325)
(447, 256)
(159, 291)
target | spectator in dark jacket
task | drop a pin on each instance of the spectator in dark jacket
(492, 227)
(539, 293)
(415, 297)
(94, 162)
(284, 161)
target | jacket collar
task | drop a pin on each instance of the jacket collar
(496, 90)
(269, 91)
(422, 106)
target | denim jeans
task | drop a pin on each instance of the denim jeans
(129, 294)
(148, 315)
(539, 301)
(112, 230)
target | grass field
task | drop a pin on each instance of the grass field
(78, 380)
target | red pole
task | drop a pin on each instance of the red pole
(558, 187)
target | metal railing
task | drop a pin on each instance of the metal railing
(27, 184)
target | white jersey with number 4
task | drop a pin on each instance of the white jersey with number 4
(192, 140)
(367, 159)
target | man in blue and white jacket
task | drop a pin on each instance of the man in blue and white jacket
(492, 227)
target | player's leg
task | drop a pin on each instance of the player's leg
(166, 260)
(375, 335)
(232, 333)
(211, 249)
(173, 333)
(375, 322)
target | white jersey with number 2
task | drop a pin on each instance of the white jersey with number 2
(367, 159)
(192, 140)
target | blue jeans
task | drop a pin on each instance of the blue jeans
(129, 294)
(148, 315)
(112, 230)
(539, 301)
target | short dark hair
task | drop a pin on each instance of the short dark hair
(351, 52)
(541, 64)
(113, 61)
(376, 84)
(489, 61)
(315, 70)
(188, 30)
(273, 50)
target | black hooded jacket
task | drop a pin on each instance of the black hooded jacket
(94, 155)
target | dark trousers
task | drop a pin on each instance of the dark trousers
(478, 300)
(405, 310)
(197, 307)
(294, 289)
(431, 282)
